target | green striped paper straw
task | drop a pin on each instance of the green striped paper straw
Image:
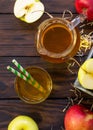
(33, 82)
(17, 73)
(22, 69)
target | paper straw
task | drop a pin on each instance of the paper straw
(33, 82)
(16, 73)
(22, 69)
(36, 85)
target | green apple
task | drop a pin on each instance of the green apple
(28, 10)
(85, 74)
(22, 122)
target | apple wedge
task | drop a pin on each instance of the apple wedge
(85, 74)
(22, 122)
(28, 10)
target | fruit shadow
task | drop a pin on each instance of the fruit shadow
(36, 116)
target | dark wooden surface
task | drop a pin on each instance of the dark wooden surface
(17, 40)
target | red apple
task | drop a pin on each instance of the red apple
(78, 117)
(85, 6)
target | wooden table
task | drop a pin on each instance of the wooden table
(17, 40)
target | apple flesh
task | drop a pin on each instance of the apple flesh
(78, 117)
(28, 10)
(22, 122)
(85, 6)
(85, 74)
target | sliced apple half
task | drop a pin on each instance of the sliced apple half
(85, 74)
(28, 10)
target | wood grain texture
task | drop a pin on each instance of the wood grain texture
(48, 114)
(57, 72)
(51, 6)
(18, 38)
(62, 78)
(43, 114)
(17, 41)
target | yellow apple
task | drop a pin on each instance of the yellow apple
(22, 122)
(28, 10)
(85, 74)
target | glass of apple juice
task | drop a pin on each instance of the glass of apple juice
(30, 94)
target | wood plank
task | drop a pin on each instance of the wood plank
(46, 114)
(6, 6)
(17, 43)
(10, 22)
(18, 50)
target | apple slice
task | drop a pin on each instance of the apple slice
(22, 122)
(28, 10)
(85, 74)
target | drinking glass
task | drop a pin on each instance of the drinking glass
(29, 93)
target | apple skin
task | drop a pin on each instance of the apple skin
(22, 122)
(85, 5)
(78, 117)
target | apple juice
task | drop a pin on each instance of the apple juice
(55, 41)
(30, 94)
(54, 37)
